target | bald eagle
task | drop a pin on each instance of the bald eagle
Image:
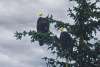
(42, 27)
(66, 41)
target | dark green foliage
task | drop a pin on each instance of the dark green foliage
(86, 16)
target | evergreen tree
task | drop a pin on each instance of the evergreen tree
(73, 45)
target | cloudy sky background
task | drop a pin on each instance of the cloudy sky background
(22, 15)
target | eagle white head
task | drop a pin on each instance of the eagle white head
(40, 13)
(62, 29)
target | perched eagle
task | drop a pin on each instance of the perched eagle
(66, 41)
(42, 27)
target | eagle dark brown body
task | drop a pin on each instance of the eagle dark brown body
(42, 27)
(66, 41)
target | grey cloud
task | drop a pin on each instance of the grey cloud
(22, 15)
(17, 53)
(23, 12)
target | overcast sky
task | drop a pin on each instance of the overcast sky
(22, 15)
(18, 15)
